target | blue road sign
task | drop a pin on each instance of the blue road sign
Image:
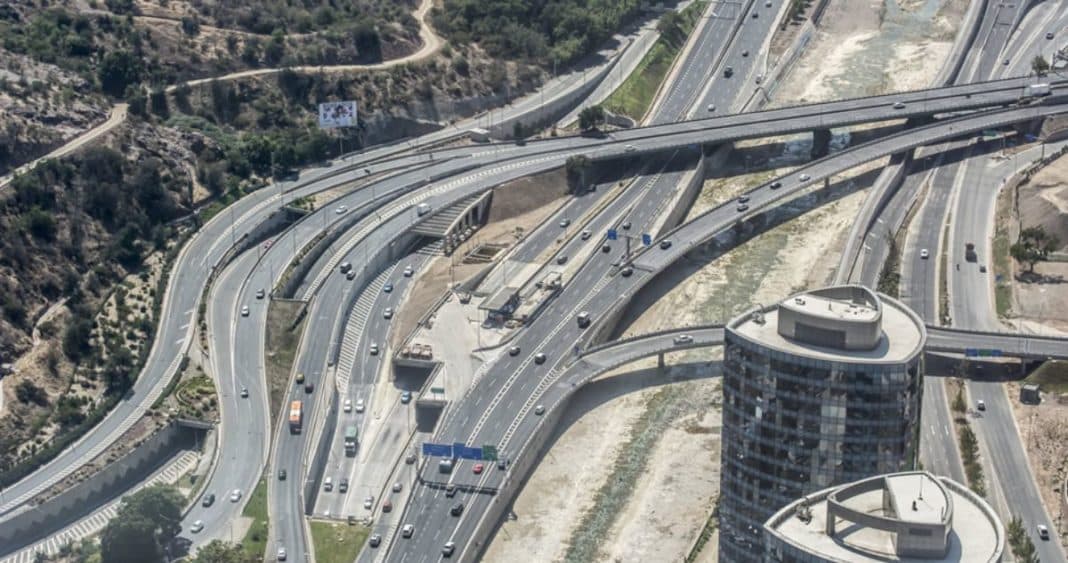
(971, 352)
(613, 234)
(471, 453)
(994, 353)
(440, 450)
(647, 239)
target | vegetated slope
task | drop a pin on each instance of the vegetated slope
(548, 32)
(59, 59)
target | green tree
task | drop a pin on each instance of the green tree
(118, 70)
(1040, 65)
(276, 48)
(576, 168)
(1033, 246)
(146, 521)
(157, 103)
(590, 117)
(28, 392)
(670, 27)
(190, 26)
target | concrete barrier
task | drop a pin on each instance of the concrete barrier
(109, 483)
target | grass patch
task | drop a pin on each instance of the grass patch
(1002, 259)
(890, 276)
(706, 534)
(285, 322)
(255, 541)
(1052, 377)
(337, 543)
(636, 94)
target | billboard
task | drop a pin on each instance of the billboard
(337, 114)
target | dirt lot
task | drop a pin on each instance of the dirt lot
(1040, 300)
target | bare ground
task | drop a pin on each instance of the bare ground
(1041, 299)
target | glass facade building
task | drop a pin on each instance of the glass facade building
(801, 413)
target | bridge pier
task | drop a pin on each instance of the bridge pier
(660, 360)
(821, 143)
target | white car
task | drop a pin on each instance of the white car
(281, 554)
(388, 313)
(408, 271)
(899, 105)
(924, 254)
(683, 339)
(711, 107)
(235, 495)
(1043, 532)
(244, 311)
(368, 502)
(980, 405)
(630, 148)
(586, 234)
(407, 530)
(359, 405)
(196, 527)
(341, 209)
(374, 348)
(564, 223)
(348, 405)
(804, 177)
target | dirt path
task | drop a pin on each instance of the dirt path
(117, 116)
(431, 45)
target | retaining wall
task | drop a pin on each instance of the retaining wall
(110, 482)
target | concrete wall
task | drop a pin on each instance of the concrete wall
(109, 483)
(553, 109)
(319, 458)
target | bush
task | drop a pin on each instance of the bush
(28, 392)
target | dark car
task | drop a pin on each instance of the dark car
(539, 358)
(728, 72)
(209, 499)
(309, 387)
(513, 351)
(281, 474)
(606, 249)
(626, 272)
(457, 509)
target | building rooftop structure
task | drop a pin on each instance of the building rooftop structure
(844, 323)
(908, 517)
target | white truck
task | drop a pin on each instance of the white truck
(1037, 90)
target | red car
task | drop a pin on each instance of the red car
(478, 468)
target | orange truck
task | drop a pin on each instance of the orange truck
(296, 416)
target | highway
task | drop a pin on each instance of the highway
(487, 415)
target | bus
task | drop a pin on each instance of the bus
(296, 416)
(350, 439)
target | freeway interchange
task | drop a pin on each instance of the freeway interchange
(369, 226)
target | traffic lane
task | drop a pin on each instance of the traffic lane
(694, 65)
(550, 230)
(1009, 461)
(938, 444)
(236, 414)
